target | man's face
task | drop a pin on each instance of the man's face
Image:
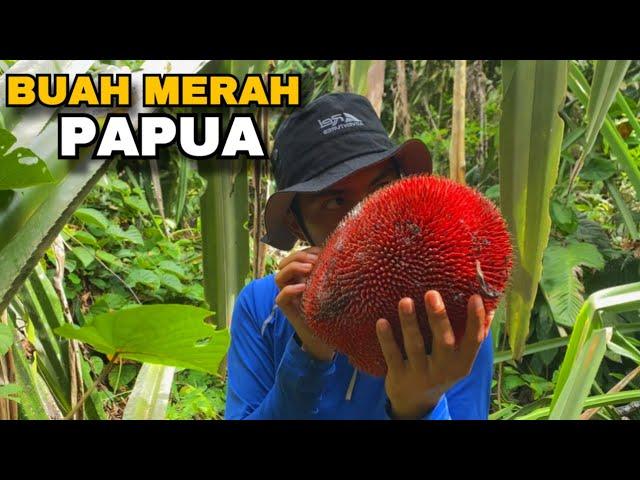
(322, 211)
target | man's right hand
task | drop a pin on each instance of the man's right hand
(294, 270)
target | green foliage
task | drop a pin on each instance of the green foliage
(530, 144)
(11, 392)
(172, 335)
(561, 278)
(569, 403)
(197, 397)
(20, 166)
(564, 217)
(121, 252)
(120, 255)
(6, 338)
(517, 386)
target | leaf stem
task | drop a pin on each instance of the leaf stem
(103, 375)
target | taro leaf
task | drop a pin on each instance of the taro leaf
(172, 335)
(20, 167)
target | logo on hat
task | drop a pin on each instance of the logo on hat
(338, 122)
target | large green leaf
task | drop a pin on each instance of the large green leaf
(21, 167)
(615, 299)
(561, 277)
(151, 393)
(606, 81)
(173, 335)
(530, 141)
(571, 401)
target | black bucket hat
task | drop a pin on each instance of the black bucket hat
(329, 139)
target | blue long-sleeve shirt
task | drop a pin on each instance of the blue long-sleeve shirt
(271, 377)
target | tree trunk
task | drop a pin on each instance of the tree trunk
(456, 154)
(375, 85)
(403, 99)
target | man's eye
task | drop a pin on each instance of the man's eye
(334, 203)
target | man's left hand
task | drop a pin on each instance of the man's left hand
(415, 384)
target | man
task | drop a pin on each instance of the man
(327, 157)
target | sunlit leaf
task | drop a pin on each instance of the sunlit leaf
(172, 335)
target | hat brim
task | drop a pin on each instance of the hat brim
(413, 156)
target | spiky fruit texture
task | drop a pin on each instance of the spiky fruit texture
(420, 233)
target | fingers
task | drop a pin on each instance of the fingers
(390, 350)
(474, 333)
(294, 272)
(411, 335)
(308, 255)
(288, 300)
(443, 336)
(313, 250)
(488, 321)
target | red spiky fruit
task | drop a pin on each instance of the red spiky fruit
(420, 233)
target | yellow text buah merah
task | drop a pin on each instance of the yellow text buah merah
(169, 89)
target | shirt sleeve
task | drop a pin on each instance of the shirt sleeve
(439, 412)
(257, 388)
(470, 398)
